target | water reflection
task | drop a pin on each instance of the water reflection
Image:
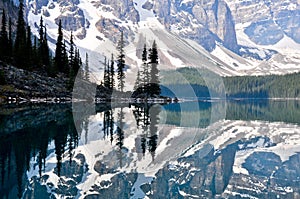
(26, 133)
(120, 146)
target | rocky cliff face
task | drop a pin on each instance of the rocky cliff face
(234, 25)
(269, 20)
(204, 21)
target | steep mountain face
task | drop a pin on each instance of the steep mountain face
(274, 20)
(204, 21)
(227, 37)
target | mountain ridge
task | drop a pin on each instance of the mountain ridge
(209, 24)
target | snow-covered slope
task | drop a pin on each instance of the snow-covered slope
(178, 28)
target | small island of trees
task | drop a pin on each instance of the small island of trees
(146, 86)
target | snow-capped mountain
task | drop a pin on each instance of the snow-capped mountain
(227, 37)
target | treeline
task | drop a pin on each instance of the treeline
(147, 81)
(24, 50)
(269, 86)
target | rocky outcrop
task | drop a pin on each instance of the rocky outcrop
(203, 21)
(274, 19)
(25, 84)
(124, 11)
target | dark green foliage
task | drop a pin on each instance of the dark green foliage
(75, 63)
(20, 42)
(4, 53)
(270, 86)
(109, 73)
(10, 39)
(154, 72)
(145, 69)
(43, 50)
(29, 50)
(2, 79)
(86, 68)
(147, 82)
(138, 81)
(106, 77)
(121, 63)
(59, 59)
(112, 72)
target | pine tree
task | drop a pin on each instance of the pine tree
(86, 68)
(71, 58)
(77, 64)
(46, 51)
(10, 39)
(106, 73)
(137, 81)
(41, 38)
(35, 52)
(145, 73)
(65, 58)
(121, 63)
(112, 73)
(28, 49)
(154, 73)
(59, 52)
(20, 42)
(3, 38)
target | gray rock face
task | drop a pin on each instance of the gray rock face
(124, 11)
(204, 21)
(274, 19)
(72, 17)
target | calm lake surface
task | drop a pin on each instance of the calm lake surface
(205, 149)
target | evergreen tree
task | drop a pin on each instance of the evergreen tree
(2, 79)
(41, 38)
(145, 72)
(43, 49)
(121, 63)
(10, 39)
(3, 38)
(65, 58)
(46, 51)
(35, 52)
(137, 81)
(28, 49)
(71, 58)
(77, 64)
(59, 52)
(86, 68)
(20, 42)
(112, 73)
(154, 88)
(106, 73)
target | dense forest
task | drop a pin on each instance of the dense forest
(270, 86)
(20, 48)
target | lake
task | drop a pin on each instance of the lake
(193, 149)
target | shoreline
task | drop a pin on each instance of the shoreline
(57, 100)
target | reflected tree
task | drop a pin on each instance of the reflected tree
(147, 119)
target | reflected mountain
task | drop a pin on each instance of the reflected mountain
(150, 150)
